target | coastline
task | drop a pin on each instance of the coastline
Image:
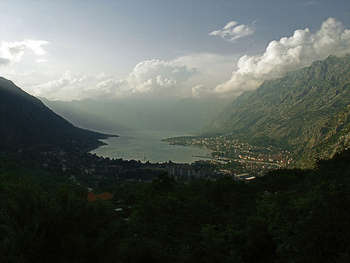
(148, 146)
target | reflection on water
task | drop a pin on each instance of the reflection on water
(147, 146)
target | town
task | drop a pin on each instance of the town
(94, 171)
(229, 157)
(235, 157)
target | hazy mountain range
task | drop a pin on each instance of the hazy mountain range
(187, 115)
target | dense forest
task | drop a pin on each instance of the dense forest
(285, 216)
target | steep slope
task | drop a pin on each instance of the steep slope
(305, 111)
(26, 122)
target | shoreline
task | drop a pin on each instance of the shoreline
(149, 146)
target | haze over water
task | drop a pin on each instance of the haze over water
(147, 146)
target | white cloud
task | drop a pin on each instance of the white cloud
(287, 54)
(148, 78)
(159, 77)
(14, 51)
(74, 87)
(211, 70)
(200, 74)
(211, 67)
(233, 31)
(186, 76)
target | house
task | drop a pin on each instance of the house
(91, 197)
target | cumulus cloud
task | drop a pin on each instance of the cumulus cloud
(148, 78)
(158, 77)
(287, 54)
(233, 31)
(54, 88)
(211, 70)
(198, 75)
(75, 87)
(14, 51)
(186, 76)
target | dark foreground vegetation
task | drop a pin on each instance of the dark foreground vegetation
(286, 216)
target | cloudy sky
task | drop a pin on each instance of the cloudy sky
(113, 49)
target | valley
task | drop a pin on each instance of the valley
(296, 119)
(184, 131)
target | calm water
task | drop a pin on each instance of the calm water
(147, 146)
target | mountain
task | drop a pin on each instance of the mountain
(185, 115)
(87, 114)
(307, 111)
(26, 122)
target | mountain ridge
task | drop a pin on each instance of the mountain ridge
(26, 122)
(301, 111)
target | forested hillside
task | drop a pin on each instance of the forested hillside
(306, 111)
(286, 216)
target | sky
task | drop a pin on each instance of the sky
(71, 50)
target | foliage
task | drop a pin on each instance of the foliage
(287, 216)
